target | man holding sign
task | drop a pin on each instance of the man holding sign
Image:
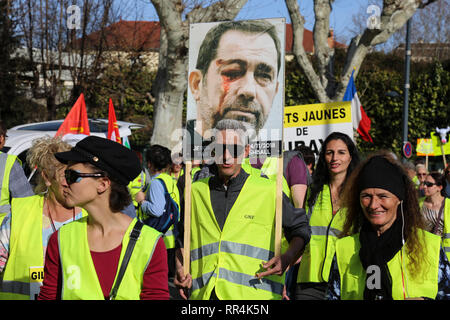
(232, 239)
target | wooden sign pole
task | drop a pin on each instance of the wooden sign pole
(187, 218)
(443, 155)
(279, 207)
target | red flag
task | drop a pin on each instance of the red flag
(76, 121)
(113, 128)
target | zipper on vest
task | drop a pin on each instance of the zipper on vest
(326, 238)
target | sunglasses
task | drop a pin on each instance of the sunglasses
(429, 184)
(235, 150)
(73, 176)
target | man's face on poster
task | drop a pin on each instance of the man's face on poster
(240, 83)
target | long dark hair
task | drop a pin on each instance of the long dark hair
(321, 175)
(412, 217)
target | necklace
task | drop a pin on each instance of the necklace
(51, 219)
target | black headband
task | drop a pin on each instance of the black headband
(378, 172)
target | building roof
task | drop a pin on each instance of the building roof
(425, 51)
(144, 35)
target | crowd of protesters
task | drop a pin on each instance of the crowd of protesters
(352, 229)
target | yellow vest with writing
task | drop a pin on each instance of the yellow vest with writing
(325, 228)
(25, 248)
(79, 278)
(227, 260)
(353, 275)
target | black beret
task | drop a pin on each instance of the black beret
(121, 164)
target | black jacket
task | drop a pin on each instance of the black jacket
(295, 222)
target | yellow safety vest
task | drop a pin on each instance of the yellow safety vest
(137, 185)
(269, 168)
(446, 231)
(227, 260)
(421, 201)
(353, 275)
(23, 273)
(171, 185)
(79, 278)
(325, 228)
(6, 163)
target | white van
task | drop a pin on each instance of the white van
(20, 138)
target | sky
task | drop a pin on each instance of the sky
(340, 18)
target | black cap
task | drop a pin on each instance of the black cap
(121, 164)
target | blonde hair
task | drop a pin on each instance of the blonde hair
(42, 157)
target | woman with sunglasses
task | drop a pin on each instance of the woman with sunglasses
(90, 259)
(25, 231)
(433, 207)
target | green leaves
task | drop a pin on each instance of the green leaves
(428, 98)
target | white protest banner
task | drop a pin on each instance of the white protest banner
(310, 124)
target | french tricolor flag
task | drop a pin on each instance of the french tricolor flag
(361, 121)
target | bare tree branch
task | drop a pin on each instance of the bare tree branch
(171, 78)
(323, 52)
(298, 28)
(393, 16)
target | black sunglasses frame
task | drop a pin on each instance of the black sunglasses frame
(73, 176)
(235, 150)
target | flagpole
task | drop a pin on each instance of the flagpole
(406, 90)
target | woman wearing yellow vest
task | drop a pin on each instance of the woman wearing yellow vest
(337, 159)
(152, 203)
(90, 259)
(24, 232)
(385, 254)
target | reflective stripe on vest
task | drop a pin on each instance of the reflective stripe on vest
(79, 277)
(232, 247)
(240, 279)
(353, 275)
(6, 163)
(446, 231)
(25, 247)
(325, 228)
(227, 260)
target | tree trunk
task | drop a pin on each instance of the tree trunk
(171, 82)
(394, 15)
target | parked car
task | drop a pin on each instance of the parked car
(20, 138)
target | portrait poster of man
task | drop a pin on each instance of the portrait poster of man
(236, 71)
